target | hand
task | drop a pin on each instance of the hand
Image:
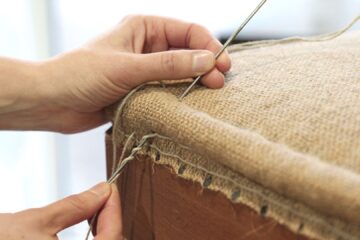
(44, 223)
(76, 86)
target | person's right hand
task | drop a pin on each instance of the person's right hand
(70, 92)
(44, 223)
(79, 84)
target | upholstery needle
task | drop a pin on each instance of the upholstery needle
(227, 43)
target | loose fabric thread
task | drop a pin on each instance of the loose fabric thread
(320, 38)
(124, 161)
(227, 43)
(248, 189)
(120, 167)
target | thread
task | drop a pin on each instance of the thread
(266, 43)
(227, 43)
(125, 148)
(320, 38)
(116, 171)
(120, 166)
(117, 121)
(239, 187)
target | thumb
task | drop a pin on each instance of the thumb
(109, 222)
(177, 64)
(76, 208)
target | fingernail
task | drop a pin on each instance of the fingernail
(203, 62)
(101, 189)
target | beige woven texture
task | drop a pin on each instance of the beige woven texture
(287, 119)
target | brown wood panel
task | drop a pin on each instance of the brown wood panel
(159, 205)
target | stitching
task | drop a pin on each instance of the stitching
(258, 193)
(123, 162)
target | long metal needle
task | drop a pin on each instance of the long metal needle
(227, 43)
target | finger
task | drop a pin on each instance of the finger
(181, 34)
(223, 63)
(214, 79)
(177, 64)
(159, 34)
(109, 224)
(76, 208)
(155, 34)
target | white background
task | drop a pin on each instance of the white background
(37, 168)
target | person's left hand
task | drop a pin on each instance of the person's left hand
(76, 87)
(45, 223)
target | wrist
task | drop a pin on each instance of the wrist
(18, 79)
(21, 98)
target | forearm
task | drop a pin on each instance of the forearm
(69, 92)
(20, 96)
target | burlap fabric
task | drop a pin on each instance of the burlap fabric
(282, 136)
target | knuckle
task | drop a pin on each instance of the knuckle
(168, 62)
(194, 28)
